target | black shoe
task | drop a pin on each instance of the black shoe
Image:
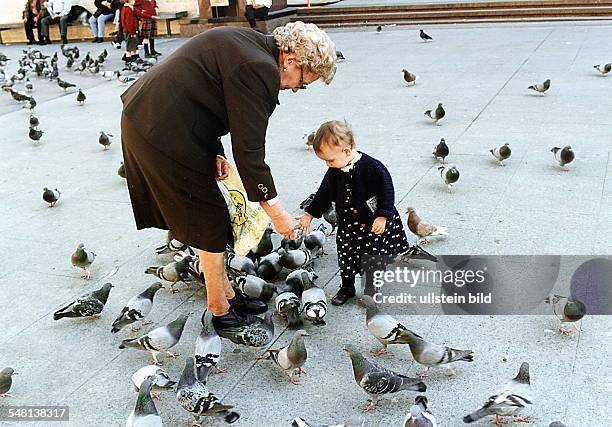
(343, 295)
(244, 304)
(95, 40)
(100, 40)
(233, 319)
(156, 53)
(64, 40)
(31, 42)
(112, 33)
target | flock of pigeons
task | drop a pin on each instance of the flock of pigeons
(285, 274)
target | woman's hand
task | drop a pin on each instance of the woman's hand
(304, 223)
(378, 227)
(282, 221)
(223, 168)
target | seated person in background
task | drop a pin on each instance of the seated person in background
(104, 13)
(257, 9)
(118, 33)
(32, 15)
(58, 12)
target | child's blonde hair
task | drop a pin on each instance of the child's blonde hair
(336, 133)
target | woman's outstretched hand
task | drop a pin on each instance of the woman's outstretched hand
(223, 168)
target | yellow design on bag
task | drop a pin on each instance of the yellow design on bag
(240, 216)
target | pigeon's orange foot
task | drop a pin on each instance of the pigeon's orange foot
(422, 374)
(522, 420)
(379, 352)
(499, 420)
(371, 406)
(221, 370)
(170, 354)
(147, 322)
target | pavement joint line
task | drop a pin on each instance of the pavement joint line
(573, 377)
(578, 51)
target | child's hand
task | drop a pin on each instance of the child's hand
(304, 223)
(378, 227)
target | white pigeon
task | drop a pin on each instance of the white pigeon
(207, 349)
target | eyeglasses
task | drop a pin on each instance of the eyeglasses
(302, 85)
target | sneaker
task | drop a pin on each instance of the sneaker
(343, 295)
(234, 319)
(244, 304)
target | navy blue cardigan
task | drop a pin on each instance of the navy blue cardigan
(372, 187)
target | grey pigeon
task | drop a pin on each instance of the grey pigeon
(421, 228)
(264, 247)
(288, 306)
(269, 266)
(424, 36)
(81, 97)
(34, 122)
(161, 379)
(83, 259)
(104, 140)
(384, 327)
(6, 381)
(379, 28)
(172, 245)
(292, 244)
(419, 415)
(51, 196)
(30, 104)
(294, 282)
(125, 79)
(309, 141)
(437, 114)
(254, 287)
(603, 69)
(441, 151)
(450, 175)
(121, 171)
(409, 77)
(90, 304)
(64, 85)
(195, 398)
(291, 357)
(145, 413)
(332, 218)
(557, 424)
(509, 400)
(137, 308)
(35, 135)
(563, 155)
(160, 339)
(207, 349)
(376, 380)
(173, 272)
(351, 422)
(28, 86)
(314, 301)
(315, 240)
(501, 153)
(237, 265)
(257, 334)
(567, 310)
(292, 259)
(541, 87)
(340, 55)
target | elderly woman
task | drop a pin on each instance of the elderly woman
(225, 80)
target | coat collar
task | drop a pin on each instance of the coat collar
(351, 165)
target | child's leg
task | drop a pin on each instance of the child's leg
(346, 291)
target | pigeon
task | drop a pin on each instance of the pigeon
(81, 97)
(124, 79)
(376, 380)
(64, 84)
(35, 135)
(340, 55)
(69, 62)
(34, 122)
(421, 228)
(104, 140)
(269, 266)
(437, 114)
(379, 29)
(315, 240)
(541, 87)
(557, 424)
(288, 305)
(385, 328)
(291, 357)
(264, 247)
(292, 259)
(108, 74)
(254, 287)
(509, 400)
(145, 413)
(51, 196)
(419, 415)
(161, 379)
(137, 308)
(501, 153)
(332, 218)
(257, 334)
(429, 354)
(6, 381)
(292, 244)
(30, 104)
(309, 141)
(172, 245)
(173, 272)
(450, 175)
(308, 200)
(121, 171)
(160, 339)
(83, 259)
(351, 422)
(28, 86)
(424, 36)
(237, 265)
(194, 397)
(441, 151)
(416, 252)
(314, 301)
(294, 282)
(567, 310)
(563, 156)
(409, 77)
(207, 349)
(603, 69)
(90, 304)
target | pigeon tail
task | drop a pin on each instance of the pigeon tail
(131, 343)
(475, 416)
(465, 355)
(293, 318)
(409, 384)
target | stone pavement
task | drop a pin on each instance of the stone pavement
(530, 206)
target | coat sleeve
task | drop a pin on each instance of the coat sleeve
(386, 193)
(322, 200)
(141, 12)
(251, 93)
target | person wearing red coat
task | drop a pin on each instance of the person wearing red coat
(147, 13)
(129, 25)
